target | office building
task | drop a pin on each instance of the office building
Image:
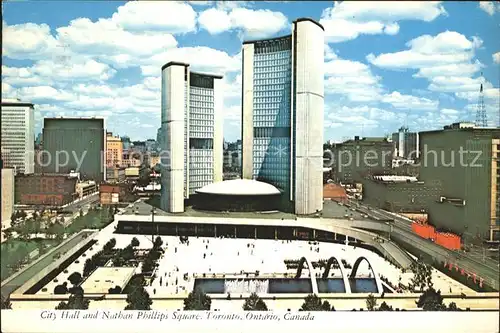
(7, 196)
(354, 160)
(191, 115)
(18, 135)
(114, 151)
(282, 114)
(464, 159)
(405, 144)
(81, 140)
(126, 143)
(45, 189)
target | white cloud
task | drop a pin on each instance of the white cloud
(446, 48)
(329, 53)
(44, 94)
(346, 20)
(496, 58)
(253, 23)
(445, 60)
(408, 102)
(106, 37)
(28, 40)
(352, 79)
(46, 72)
(489, 7)
(460, 69)
(200, 58)
(450, 111)
(167, 16)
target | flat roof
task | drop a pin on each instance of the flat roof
(141, 208)
(104, 278)
(17, 103)
(247, 187)
(174, 63)
(304, 19)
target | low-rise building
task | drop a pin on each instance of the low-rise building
(45, 189)
(115, 174)
(7, 195)
(400, 194)
(86, 188)
(109, 193)
(356, 159)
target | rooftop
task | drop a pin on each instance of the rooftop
(141, 208)
(104, 278)
(239, 187)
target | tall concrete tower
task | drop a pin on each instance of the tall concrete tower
(191, 131)
(282, 114)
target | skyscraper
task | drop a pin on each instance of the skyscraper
(18, 135)
(282, 114)
(191, 115)
(75, 144)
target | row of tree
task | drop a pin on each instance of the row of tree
(100, 258)
(153, 255)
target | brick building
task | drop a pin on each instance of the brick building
(45, 189)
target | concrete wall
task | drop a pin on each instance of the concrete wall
(172, 109)
(247, 111)
(462, 181)
(308, 53)
(218, 129)
(7, 194)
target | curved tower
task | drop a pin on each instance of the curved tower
(191, 132)
(282, 114)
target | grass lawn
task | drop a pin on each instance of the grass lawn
(14, 251)
(93, 220)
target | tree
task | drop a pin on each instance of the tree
(431, 300)
(314, 303)
(88, 267)
(371, 303)
(75, 278)
(7, 234)
(158, 243)
(138, 298)
(422, 276)
(61, 289)
(75, 302)
(75, 290)
(385, 307)
(254, 303)
(5, 303)
(197, 300)
(115, 290)
(453, 307)
(134, 242)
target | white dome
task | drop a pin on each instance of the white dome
(239, 187)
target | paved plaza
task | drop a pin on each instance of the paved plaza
(181, 262)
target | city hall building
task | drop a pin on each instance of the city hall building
(282, 115)
(192, 139)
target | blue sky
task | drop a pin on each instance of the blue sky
(387, 64)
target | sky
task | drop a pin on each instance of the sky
(387, 64)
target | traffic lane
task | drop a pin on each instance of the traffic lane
(428, 247)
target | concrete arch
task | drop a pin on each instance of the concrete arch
(347, 285)
(312, 272)
(355, 267)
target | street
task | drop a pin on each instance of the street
(475, 260)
